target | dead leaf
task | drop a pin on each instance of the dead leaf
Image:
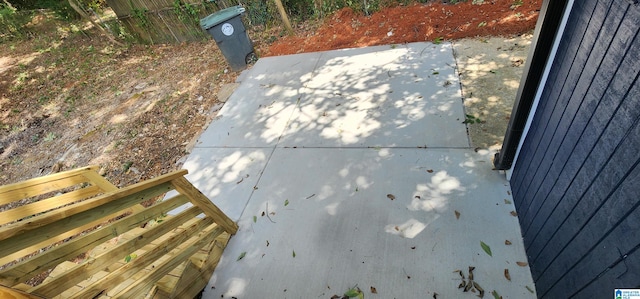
(413, 247)
(506, 201)
(263, 214)
(496, 295)
(430, 170)
(335, 297)
(391, 196)
(507, 275)
(508, 192)
(522, 264)
(240, 181)
(514, 214)
(457, 214)
(397, 228)
(507, 242)
(468, 286)
(373, 290)
(477, 286)
(529, 289)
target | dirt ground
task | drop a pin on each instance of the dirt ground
(490, 72)
(68, 98)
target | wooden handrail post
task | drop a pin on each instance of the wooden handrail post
(196, 197)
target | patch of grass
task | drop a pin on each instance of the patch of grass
(50, 137)
(516, 4)
(470, 119)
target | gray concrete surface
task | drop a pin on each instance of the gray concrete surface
(353, 168)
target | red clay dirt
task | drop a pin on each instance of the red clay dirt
(434, 21)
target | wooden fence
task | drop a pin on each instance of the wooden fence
(166, 21)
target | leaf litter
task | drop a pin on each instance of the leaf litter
(469, 284)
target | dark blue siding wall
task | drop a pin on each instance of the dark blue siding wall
(577, 181)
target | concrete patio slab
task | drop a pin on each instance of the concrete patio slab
(336, 218)
(381, 96)
(290, 70)
(353, 168)
(254, 116)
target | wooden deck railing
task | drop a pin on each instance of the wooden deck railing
(101, 242)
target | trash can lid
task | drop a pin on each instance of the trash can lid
(221, 16)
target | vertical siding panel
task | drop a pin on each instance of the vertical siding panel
(569, 100)
(526, 167)
(609, 236)
(578, 141)
(561, 226)
(577, 181)
(587, 222)
(625, 271)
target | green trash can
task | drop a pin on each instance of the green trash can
(228, 31)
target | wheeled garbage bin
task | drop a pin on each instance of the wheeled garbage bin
(226, 28)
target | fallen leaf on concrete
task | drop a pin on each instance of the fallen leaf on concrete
(486, 248)
(522, 264)
(506, 201)
(477, 286)
(457, 214)
(507, 242)
(514, 214)
(496, 295)
(241, 256)
(529, 289)
(354, 292)
(373, 290)
(391, 196)
(430, 170)
(507, 275)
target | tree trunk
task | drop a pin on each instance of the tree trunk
(84, 15)
(283, 15)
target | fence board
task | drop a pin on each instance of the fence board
(166, 21)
